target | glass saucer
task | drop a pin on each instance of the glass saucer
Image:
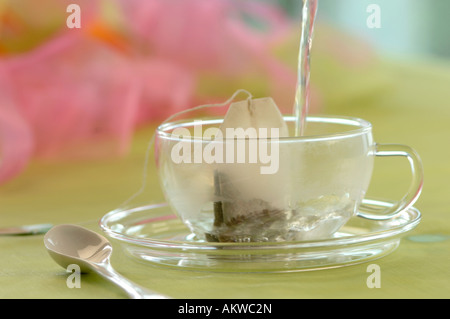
(154, 234)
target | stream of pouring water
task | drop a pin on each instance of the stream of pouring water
(302, 94)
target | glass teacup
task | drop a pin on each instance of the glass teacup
(281, 188)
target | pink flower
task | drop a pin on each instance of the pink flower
(75, 91)
(15, 135)
(72, 90)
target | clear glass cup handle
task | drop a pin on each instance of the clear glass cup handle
(415, 188)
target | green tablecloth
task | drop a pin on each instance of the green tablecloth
(413, 108)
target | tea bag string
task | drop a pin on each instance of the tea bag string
(170, 118)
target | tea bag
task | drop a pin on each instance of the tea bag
(255, 113)
(247, 202)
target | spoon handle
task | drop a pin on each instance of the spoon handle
(25, 230)
(132, 289)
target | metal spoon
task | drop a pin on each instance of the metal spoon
(71, 244)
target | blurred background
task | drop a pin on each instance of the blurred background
(75, 93)
(409, 28)
(78, 107)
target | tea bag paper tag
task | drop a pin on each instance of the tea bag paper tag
(255, 113)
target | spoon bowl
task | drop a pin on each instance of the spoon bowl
(72, 244)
